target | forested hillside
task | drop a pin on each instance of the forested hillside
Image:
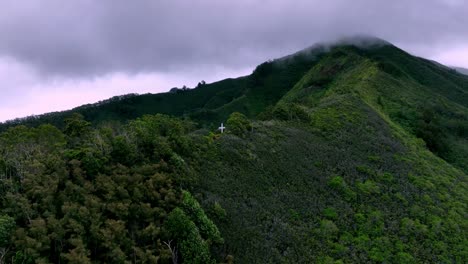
(110, 195)
(343, 153)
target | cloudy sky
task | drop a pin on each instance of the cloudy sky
(57, 54)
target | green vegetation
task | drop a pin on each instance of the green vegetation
(111, 195)
(194, 231)
(347, 155)
(239, 124)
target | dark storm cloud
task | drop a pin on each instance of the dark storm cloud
(90, 37)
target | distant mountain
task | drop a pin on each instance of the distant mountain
(461, 70)
(348, 152)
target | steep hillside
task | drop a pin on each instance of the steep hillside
(426, 100)
(347, 153)
(338, 173)
(294, 193)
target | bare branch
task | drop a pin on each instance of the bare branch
(173, 251)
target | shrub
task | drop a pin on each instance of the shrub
(330, 213)
(219, 211)
(238, 124)
(7, 224)
(337, 183)
(288, 112)
(368, 187)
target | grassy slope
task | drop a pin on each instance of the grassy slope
(435, 110)
(281, 184)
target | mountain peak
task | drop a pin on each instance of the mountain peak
(361, 41)
(364, 41)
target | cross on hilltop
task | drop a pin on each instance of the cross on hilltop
(222, 128)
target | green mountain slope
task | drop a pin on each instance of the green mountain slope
(343, 153)
(343, 176)
(433, 108)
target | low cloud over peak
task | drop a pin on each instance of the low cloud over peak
(81, 38)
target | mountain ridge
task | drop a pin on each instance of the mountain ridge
(306, 54)
(310, 54)
(461, 70)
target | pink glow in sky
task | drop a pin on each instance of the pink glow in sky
(457, 56)
(26, 93)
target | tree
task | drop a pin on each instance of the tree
(200, 84)
(193, 248)
(76, 125)
(173, 250)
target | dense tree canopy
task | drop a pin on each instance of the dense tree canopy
(100, 195)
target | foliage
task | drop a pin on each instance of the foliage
(238, 124)
(7, 225)
(76, 126)
(208, 229)
(192, 246)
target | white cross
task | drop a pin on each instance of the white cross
(222, 128)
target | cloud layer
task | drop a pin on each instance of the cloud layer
(87, 40)
(89, 37)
